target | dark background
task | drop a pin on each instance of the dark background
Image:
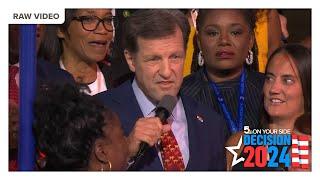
(298, 24)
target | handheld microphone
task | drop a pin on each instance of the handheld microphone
(163, 111)
(165, 108)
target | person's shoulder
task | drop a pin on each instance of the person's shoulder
(49, 72)
(192, 84)
(115, 93)
(107, 98)
(255, 75)
(42, 63)
(192, 78)
(256, 78)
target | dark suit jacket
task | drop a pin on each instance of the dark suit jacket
(51, 74)
(206, 139)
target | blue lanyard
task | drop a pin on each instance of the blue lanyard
(227, 115)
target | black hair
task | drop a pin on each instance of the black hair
(67, 123)
(51, 46)
(248, 14)
(152, 24)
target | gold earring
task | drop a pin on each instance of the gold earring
(109, 164)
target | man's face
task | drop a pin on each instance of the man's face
(158, 65)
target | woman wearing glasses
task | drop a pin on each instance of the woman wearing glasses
(80, 46)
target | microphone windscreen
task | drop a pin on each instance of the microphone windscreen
(168, 102)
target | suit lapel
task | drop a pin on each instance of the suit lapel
(194, 132)
(126, 98)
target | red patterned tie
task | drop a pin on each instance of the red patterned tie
(13, 87)
(170, 153)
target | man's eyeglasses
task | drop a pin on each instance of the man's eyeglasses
(91, 23)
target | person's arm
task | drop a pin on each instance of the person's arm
(274, 31)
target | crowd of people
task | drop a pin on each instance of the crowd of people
(85, 119)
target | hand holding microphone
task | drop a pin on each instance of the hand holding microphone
(147, 131)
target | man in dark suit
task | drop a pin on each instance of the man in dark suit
(155, 46)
